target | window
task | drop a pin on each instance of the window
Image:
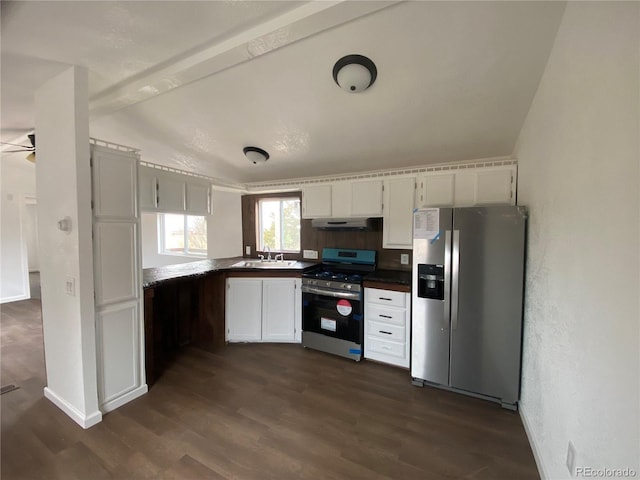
(182, 234)
(279, 224)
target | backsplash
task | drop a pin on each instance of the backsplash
(314, 239)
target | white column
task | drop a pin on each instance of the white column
(63, 179)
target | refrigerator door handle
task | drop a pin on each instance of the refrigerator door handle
(447, 280)
(455, 273)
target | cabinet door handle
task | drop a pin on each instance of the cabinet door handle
(385, 316)
(383, 298)
(386, 333)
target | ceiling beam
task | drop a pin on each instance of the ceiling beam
(302, 22)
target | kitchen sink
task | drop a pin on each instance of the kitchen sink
(264, 264)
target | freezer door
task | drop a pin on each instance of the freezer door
(486, 327)
(430, 317)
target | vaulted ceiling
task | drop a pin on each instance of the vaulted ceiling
(192, 83)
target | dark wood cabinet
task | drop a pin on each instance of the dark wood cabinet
(182, 312)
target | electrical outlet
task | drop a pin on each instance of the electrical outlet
(571, 459)
(247, 250)
(311, 254)
(404, 258)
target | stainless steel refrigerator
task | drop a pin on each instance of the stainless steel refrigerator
(468, 282)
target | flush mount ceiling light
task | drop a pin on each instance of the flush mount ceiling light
(354, 73)
(255, 154)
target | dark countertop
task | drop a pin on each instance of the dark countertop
(154, 276)
(400, 277)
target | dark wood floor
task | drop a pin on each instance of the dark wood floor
(255, 412)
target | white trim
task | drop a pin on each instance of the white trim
(217, 183)
(296, 183)
(532, 442)
(15, 298)
(121, 400)
(111, 146)
(85, 421)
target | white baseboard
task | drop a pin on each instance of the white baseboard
(85, 421)
(532, 441)
(15, 298)
(126, 398)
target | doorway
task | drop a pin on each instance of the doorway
(30, 232)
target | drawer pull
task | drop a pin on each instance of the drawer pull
(385, 316)
(386, 333)
(386, 348)
(383, 298)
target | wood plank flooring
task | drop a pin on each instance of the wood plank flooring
(259, 411)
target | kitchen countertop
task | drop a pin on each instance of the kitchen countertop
(154, 276)
(399, 277)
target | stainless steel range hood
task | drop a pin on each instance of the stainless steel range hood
(341, 223)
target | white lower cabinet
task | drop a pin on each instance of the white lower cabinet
(263, 310)
(387, 327)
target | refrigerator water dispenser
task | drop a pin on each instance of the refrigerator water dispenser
(431, 281)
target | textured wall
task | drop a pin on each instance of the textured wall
(578, 173)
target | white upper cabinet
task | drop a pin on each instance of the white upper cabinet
(464, 188)
(171, 192)
(366, 198)
(435, 190)
(397, 226)
(148, 189)
(316, 201)
(486, 186)
(198, 198)
(343, 199)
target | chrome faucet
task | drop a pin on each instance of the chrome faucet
(281, 255)
(268, 250)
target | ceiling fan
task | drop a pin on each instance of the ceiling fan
(24, 148)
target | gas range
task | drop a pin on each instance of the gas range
(333, 303)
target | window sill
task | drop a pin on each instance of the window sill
(187, 255)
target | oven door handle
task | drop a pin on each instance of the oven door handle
(330, 293)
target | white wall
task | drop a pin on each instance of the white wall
(224, 232)
(578, 155)
(63, 178)
(17, 179)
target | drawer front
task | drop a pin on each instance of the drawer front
(385, 297)
(386, 331)
(378, 313)
(378, 345)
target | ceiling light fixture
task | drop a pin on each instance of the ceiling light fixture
(255, 154)
(354, 73)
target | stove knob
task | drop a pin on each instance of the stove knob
(348, 287)
(328, 284)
